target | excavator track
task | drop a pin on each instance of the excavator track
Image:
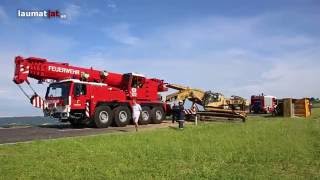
(221, 115)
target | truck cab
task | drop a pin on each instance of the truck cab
(69, 99)
(57, 100)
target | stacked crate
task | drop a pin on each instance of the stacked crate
(302, 107)
(296, 107)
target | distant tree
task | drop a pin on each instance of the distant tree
(314, 100)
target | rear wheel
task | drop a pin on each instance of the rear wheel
(145, 116)
(157, 115)
(122, 116)
(103, 116)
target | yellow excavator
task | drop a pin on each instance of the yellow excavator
(214, 104)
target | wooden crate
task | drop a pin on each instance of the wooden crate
(296, 107)
(288, 107)
(302, 107)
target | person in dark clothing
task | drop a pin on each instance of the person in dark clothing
(181, 115)
(175, 113)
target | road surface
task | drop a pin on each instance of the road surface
(19, 130)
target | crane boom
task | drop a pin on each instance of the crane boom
(42, 69)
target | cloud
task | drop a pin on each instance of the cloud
(121, 34)
(239, 55)
(72, 11)
(211, 35)
(49, 45)
(42, 45)
(13, 102)
(3, 15)
(292, 75)
(112, 5)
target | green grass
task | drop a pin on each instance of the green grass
(261, 148)
(316, 105)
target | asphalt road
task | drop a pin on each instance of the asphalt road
(23, 129)
(36, 130)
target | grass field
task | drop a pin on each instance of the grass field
(261, 148)
(316, 105)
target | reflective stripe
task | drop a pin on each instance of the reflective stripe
(38, 102)
(69, 100)
(87, 109)
(190, 111)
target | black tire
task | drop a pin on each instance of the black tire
(103, 116)
(145, 116)
(157, 115)
(76, 123)
(122, 116)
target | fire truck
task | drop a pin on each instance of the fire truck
(263, 104)
(86, 96)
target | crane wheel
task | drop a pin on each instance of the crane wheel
(122, 116)
(157, 114)
(145, 117)
(103, 116)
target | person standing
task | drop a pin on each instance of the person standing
(175, 112)
(136, 111)
(181, 114)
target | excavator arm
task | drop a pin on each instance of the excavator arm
(214, 104)
(184, 93)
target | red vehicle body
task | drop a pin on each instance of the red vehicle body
(263, 104)
(89, 96)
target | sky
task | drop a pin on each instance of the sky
(234, 47)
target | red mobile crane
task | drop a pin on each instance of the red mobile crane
(89, 96)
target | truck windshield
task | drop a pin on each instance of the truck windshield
(58, 90)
